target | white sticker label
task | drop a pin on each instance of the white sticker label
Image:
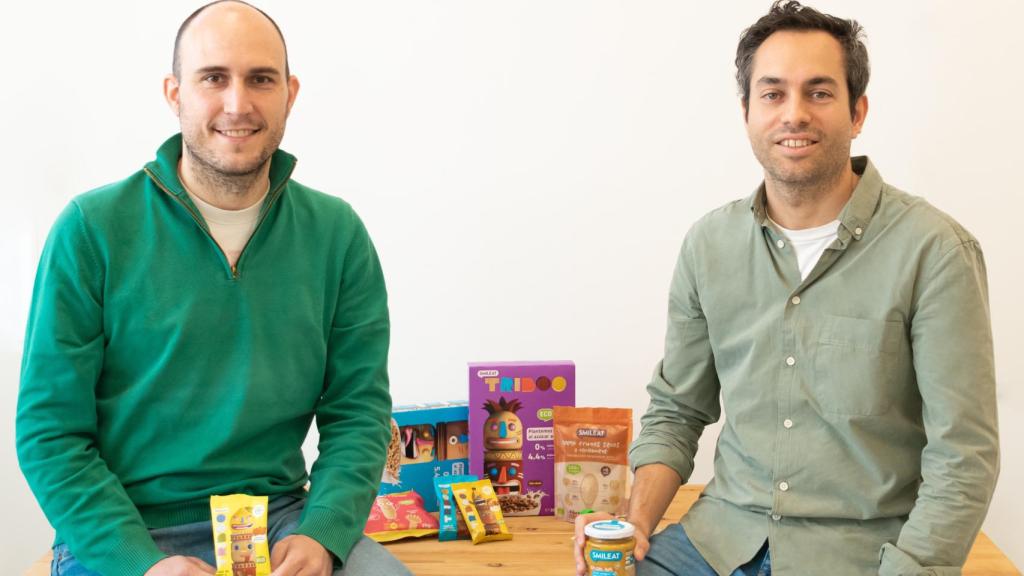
(546, 434)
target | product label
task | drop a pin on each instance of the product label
(511, 435)
(605, 555)
(544, 434)
(591, 458)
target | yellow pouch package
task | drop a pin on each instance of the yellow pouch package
(240, 535)
(479, 507)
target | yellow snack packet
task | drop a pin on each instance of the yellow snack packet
(240, 535)
(479, 507)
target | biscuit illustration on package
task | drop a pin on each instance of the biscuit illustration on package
(399, 515)
(240, 535)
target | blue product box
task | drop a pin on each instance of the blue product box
(433, 440)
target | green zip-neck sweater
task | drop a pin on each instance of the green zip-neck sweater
(154, 375)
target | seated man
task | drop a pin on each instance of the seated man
(187, 325)
(844, 325)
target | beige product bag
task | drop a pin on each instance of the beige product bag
(591, 459)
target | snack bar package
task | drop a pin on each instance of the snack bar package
(452, 524)
(479, 507)
(591, 459)
(240, 535)
(427, 441)
(399, 515)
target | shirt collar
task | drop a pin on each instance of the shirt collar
(854, 217)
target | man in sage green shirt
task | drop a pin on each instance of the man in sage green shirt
(844, 327)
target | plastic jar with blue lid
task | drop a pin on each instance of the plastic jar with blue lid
(609, 548)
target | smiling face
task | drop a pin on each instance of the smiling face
(233, 96)
(503, 431)
(798, 116)
(241, 550)
(506, 476)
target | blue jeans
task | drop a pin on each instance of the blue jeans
(672, 554)
(367, 557)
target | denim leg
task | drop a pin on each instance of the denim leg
(65, 564)
(195, 539)
(763, 561)
(672, 554)
(367, 558)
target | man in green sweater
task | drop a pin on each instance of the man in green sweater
(187, 325)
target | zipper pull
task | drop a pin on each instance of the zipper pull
(234, 271)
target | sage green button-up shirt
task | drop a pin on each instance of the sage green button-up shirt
(860, 433)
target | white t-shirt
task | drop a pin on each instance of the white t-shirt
(810, 243)
(231, 229)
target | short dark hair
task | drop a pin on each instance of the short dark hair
(176, 61)
(791, 15)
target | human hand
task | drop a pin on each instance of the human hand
(298, 554)
(180, 566)
(579, 540)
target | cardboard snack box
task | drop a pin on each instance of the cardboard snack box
(511, 434)
(428, 440)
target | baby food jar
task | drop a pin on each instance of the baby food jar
(609, 548)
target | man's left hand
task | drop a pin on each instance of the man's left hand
(298, 554)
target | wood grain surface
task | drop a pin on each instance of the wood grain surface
(542, 546)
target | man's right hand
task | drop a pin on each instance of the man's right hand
(579, 540)
(181, 566)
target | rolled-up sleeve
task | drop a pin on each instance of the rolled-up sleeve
(684, 388)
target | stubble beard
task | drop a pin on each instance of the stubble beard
(213, 171)
(812, 178)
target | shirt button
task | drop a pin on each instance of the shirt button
(780, 243)
(857, 231)
(795, 300)
(776, 517)
(790, 361)
(783, 486)
(787, 423)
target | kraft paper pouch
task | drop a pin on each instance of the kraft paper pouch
(240, 535)
(591, 459)
(480, 509)
(453, 525)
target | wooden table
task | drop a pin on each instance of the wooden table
(542, 546)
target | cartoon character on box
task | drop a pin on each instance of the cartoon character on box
(503, 445)
(242, 562)
(417, 444)
(453, 440)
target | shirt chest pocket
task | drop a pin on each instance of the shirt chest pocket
(858, 365)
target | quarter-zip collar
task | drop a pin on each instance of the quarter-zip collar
(164, 169)
(164, 173)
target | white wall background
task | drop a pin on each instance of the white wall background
(527, 169)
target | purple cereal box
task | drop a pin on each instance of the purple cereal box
(510, 429)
